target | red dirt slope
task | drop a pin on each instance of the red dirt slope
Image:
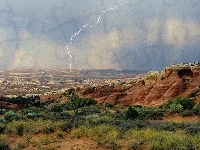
(154, 90)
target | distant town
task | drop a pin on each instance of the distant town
(35, 82)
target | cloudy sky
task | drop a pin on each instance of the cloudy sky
(114, 34)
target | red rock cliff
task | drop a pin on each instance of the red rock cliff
(155, 89)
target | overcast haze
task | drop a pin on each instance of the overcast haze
(137, 35)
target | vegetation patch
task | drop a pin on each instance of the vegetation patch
(112, 127)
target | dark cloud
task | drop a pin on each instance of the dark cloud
(139, 34)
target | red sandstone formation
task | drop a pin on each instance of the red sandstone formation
(155, 89)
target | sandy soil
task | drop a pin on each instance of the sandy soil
(78, 144)
(176, 118)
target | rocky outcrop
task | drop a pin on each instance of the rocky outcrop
(156, 87)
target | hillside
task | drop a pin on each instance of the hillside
(71, 120)
(152, 90)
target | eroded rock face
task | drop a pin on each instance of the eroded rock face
(156, 88)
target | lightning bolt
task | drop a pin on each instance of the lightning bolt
(102, 13)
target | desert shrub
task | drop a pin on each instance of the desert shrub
(130, 113)
(92, 119)
(56, 108)
(182, 125)
(106, 119)
(68, 125)
(137, 106)
(2, 110)
(188, 127)
(133, 139)
(156, 114)
(197, 109)
(20, 129)
(4, 146)
(29, 101)
(2, 127)
(65, 113)
(12, 127)
(75, 102)
(60, 134)
(89, 110)
(10, 115)
(124, 125)
(185, 102)
(167, 126)
(186, 113)
(2, 120)
(141, 124)
(142, 112)
(20, 145)
(109, 105)
(175, 108)
(193, 130)
(88, 101)
(149, 113)
(105, 135)
(73, 122)
(31, 115)
(98, 119)
(33, 126)
(46, 139)
(118, 115)
(79, 132)
(163, 140)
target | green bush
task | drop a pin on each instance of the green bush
(29, 101)
(10, 115)
(149, 113)
(162, 126)
(2, 127)
(193, 130)
(124, 125)
(186, 113)
(64, 113)
(105, 135)
(130, 113)
(89, 110)
(88, 101)
(75, 102)
(175, 108)
(185, 102)
(4, 146)
(2, 120)
(56, 108)
(71, 123)
(156, 114)
(197, 109)
(20, 129)
(109, 105)
(31, 115)
(160, 140)
(79, 132)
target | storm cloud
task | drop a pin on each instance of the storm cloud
(138, 35)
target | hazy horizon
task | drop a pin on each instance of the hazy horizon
(125, 34)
